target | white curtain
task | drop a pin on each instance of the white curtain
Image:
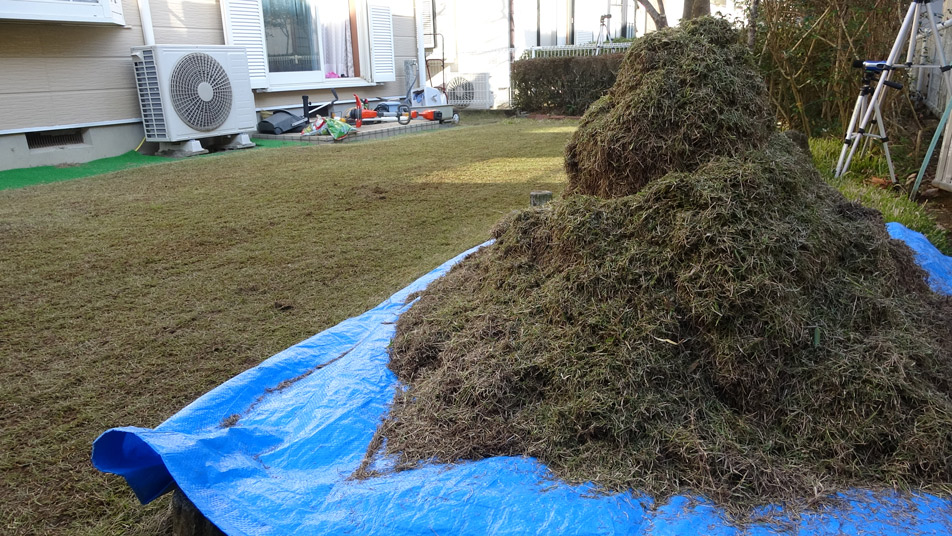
(335, 32)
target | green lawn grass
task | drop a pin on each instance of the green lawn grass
(894, 204)
(126, 296)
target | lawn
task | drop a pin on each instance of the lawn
(128, 295)
(894, 204)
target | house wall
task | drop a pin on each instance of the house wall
(405, 48)
(476, 34)
(476, 37)
(60, 74)
(98, 142)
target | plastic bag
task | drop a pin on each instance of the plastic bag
(319, 126)
(339, 129)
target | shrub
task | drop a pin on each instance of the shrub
(566, 85)
(806, 49)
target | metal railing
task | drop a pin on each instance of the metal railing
(561, 51)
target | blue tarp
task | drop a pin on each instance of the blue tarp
(270, 452)
(937, 265)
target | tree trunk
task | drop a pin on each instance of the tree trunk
(664, 16)
(696, 8)
(539, 198)
(752, 24)
(657, 15)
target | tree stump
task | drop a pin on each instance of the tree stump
(188, 520)
(539, 198)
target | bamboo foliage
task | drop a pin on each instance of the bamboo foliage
(806, 49)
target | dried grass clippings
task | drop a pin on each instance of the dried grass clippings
(724, 324)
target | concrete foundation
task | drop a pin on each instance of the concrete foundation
(98, 142)
(181, 149)
(238, 141)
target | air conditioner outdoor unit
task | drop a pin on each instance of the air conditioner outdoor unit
(191, 92)
(469, 91)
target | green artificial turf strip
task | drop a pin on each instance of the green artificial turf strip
(126, 296)
(22, 177)
(278, 143)
(19, 178)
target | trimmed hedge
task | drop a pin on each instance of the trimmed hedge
(566, 85)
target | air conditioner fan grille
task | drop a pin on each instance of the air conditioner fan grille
(460, 92)
(200, 91)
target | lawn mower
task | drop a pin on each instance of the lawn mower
(387, 111)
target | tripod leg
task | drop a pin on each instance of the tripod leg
(867, 139)
(878, 92)
(865, 109)
(913, 33)
(852, 151)
(940, 50)
(885, 140)
(857, 110)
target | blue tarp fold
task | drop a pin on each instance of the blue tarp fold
(270, 452)
(937, 265)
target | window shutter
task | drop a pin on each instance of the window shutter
(244, 26)
(429, 27)
(381, 43)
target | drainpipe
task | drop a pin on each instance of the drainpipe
(538, 23)
(570, 38)
(624, 19)
(145, 17)
(512, 32)
(421, 50)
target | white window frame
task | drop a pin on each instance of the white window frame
(243, 22)
(91, 12)
(297, 79)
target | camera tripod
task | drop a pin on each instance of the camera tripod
(603, 33)
(868, 104)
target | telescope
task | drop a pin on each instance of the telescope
(877, 66)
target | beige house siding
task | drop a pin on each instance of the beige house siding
(187, 22)
(58, 74)
(70, 74)
(404, 45)
(55, 75)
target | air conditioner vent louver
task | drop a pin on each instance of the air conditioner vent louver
(200, 91)
(150, 98)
